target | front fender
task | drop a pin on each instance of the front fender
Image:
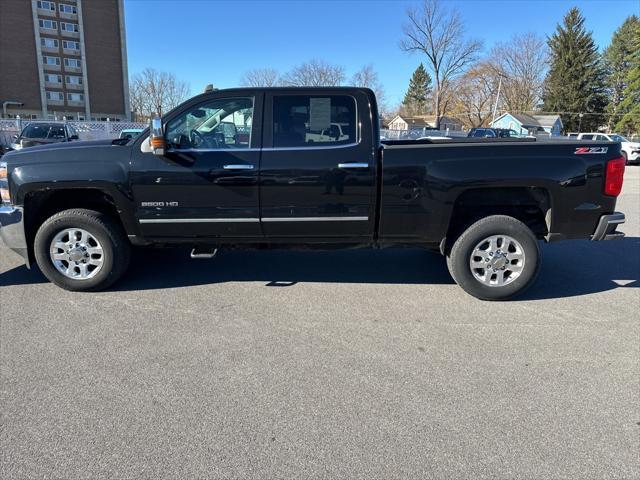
(107, 172)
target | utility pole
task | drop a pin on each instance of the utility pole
(495, 106)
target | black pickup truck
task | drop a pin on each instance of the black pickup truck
(304, 167)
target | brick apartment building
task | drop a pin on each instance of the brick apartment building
(63, 59)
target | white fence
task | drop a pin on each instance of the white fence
(106, 130)
(85, 130)
(418, 133)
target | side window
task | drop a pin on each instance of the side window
(56, 132)
(308, 121)
(217, 124)
(587, 137)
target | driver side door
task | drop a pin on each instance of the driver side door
(205, 187)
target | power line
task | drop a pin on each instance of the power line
(535, 112)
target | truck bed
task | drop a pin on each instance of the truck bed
(425, 183)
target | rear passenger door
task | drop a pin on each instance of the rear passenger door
(314, 185)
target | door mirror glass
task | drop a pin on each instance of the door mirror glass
(156, 136)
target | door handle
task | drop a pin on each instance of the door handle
(353, 165)
(238, 167)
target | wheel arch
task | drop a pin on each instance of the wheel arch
(531, 205)
(40, 204)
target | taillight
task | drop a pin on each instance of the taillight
(614, 176)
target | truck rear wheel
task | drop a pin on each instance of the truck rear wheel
(496, 258)
(81, 250)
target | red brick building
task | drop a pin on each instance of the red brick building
(63, 59)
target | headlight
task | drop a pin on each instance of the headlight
(4, 183)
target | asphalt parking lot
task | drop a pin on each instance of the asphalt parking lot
(349, 364)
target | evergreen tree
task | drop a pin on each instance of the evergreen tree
(630, 104)
(417, 98)
(575, 82)
(618, 62)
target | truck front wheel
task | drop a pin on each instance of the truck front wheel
(81, 250)
(496, 258)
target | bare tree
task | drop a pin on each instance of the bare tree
(476, 91)
(522, 62)
(138, 101)
(260, 77)
(314, 73)
(154, 93)
(438, 33)
(367, 77)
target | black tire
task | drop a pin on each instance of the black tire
(115, 246)
(626, 158)
(460, 255)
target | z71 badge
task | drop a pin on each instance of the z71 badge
(583, 150)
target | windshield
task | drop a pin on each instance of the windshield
(42, 131)
(129, 134)
(617, 138)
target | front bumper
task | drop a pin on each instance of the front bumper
(606, 229)
(12, 230)
(633, 156)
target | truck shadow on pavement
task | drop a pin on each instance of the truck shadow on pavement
(282, 268)
(581, 267)
(568, 268)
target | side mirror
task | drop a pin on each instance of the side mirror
(14, 138)
(156, 136)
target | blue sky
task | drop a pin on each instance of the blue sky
(206, 41)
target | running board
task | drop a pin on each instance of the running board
(203, 254)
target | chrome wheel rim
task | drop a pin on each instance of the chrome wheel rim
(76, 254)
(497, 261)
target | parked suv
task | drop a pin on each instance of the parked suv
(37, 133)
(630, 150)
(492, 133)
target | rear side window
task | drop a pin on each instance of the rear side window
(313, 121)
